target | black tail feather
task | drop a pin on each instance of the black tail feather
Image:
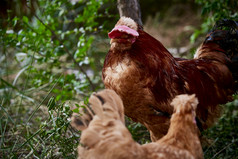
(225, 34)
(226, 24)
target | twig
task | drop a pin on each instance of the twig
(211, 145)
(222, 150)
(68, 52)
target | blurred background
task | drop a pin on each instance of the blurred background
(51, 56)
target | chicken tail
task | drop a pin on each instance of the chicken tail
(105, 104)
(225, 35)
(105, 135)
(80, 121)
(229, 43)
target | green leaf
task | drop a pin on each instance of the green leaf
(195, 35)
(25, 19)
(51, 103)
(76, 110)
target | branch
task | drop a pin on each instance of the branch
(68, 52)
(222, 149)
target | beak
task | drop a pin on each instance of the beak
(120, 29)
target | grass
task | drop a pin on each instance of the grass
(224, 135)
(31, 129)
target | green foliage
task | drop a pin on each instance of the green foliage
(224, 135)
(138, 131)
(47, 65)
(214, 10)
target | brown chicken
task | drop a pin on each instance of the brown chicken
(106, 137)
(147, 77)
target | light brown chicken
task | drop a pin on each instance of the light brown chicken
(106, 137)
